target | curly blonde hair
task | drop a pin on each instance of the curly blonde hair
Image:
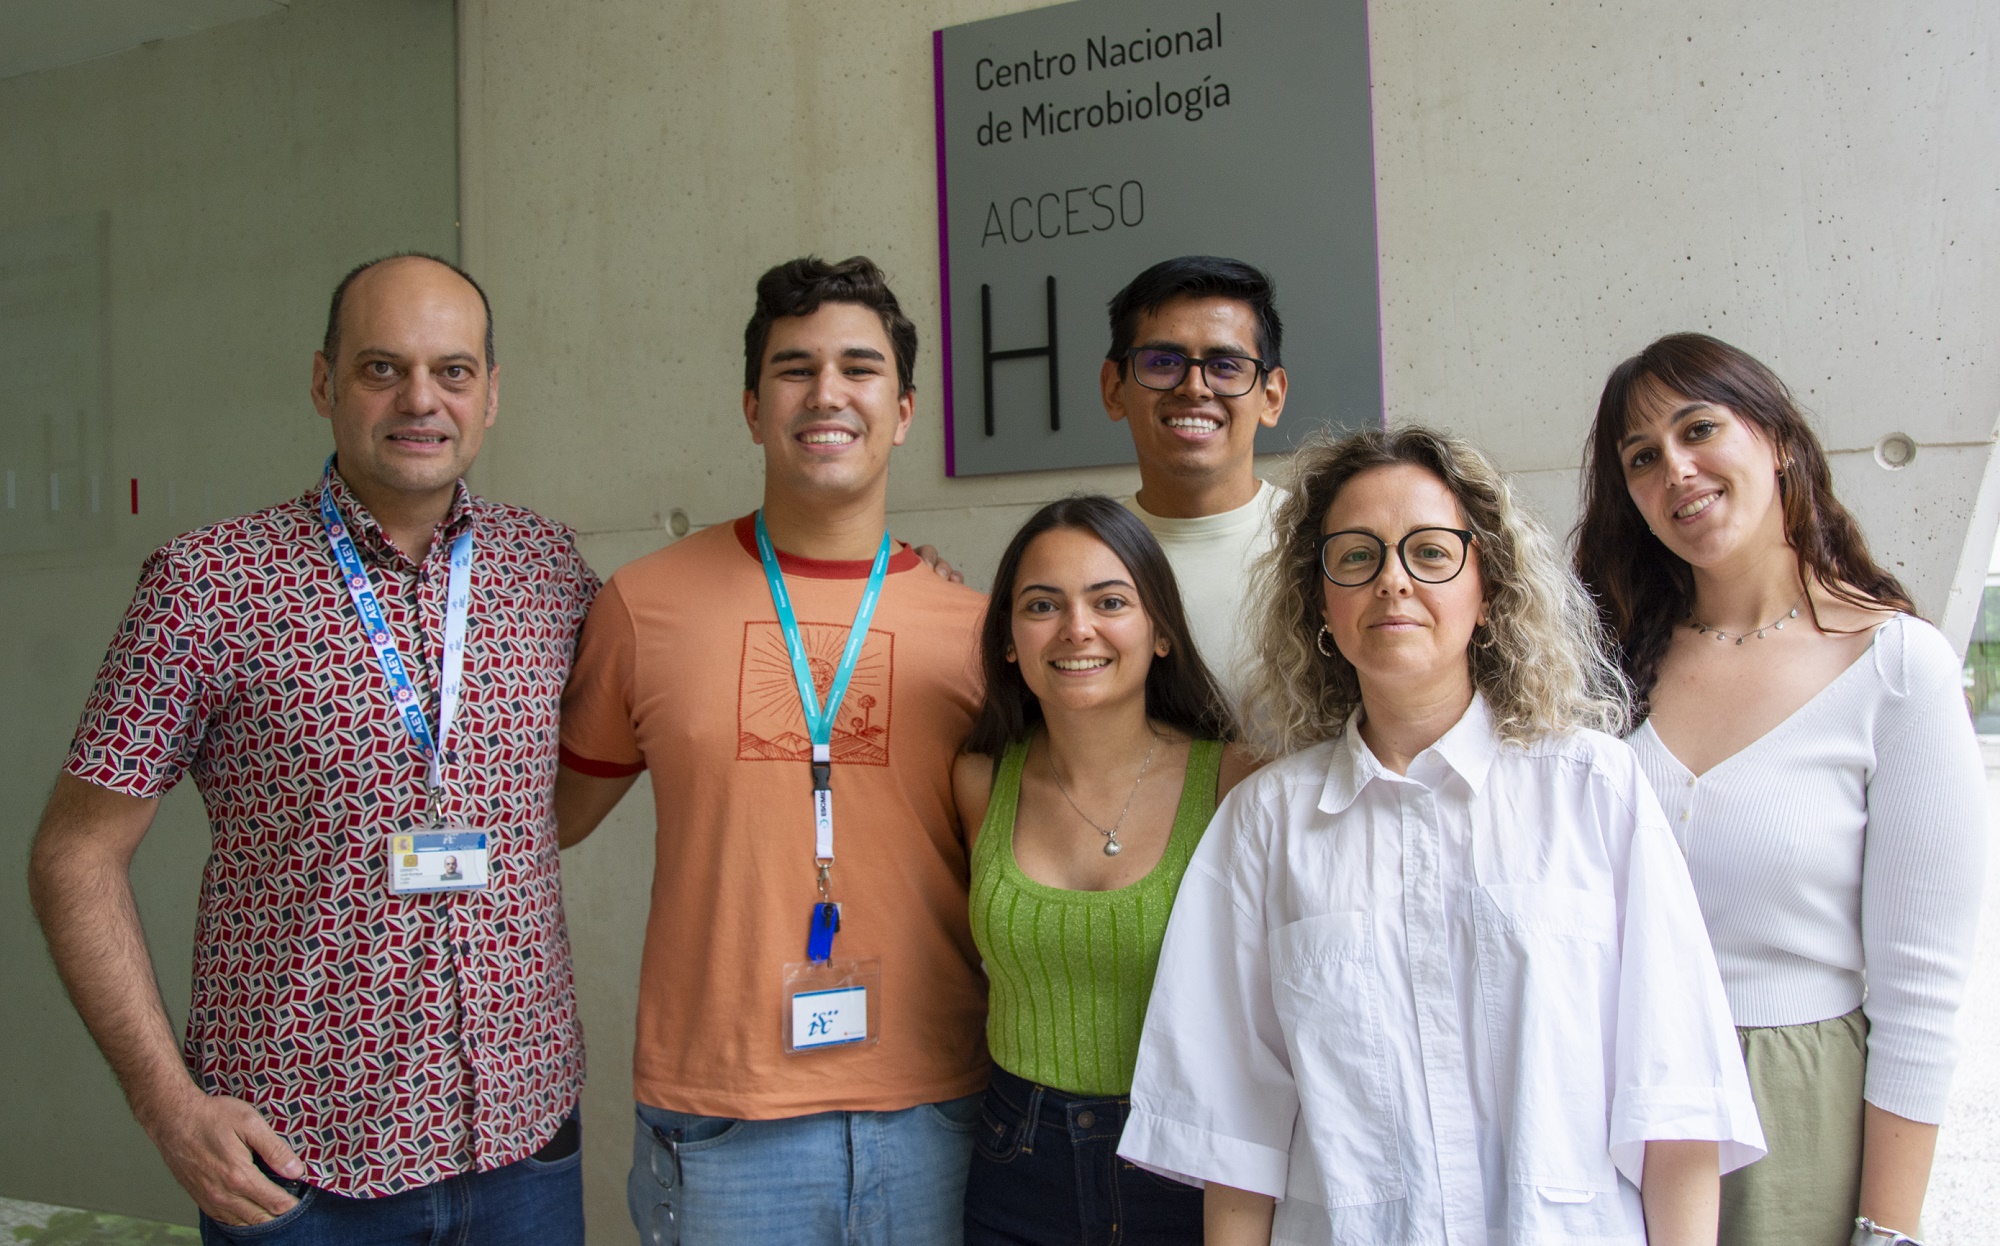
(1543, 664)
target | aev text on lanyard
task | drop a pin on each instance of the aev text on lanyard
(457, 599)
(820, 720)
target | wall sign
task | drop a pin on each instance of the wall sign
(1081, 143)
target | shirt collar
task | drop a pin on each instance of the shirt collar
(1468, 749)
(368, 535)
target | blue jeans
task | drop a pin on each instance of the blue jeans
(1046, 1172)
(530, 1202)
(829, 1179)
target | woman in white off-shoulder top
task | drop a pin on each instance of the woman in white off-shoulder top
(1807, 736)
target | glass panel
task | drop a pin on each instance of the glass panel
(1982, 664)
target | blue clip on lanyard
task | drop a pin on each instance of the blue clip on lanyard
(458, 597)
(819, 721)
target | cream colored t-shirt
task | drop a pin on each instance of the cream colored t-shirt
(1211, 557)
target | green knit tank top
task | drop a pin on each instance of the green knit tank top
(1071, 971)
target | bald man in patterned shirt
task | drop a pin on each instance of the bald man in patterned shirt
(364, 684)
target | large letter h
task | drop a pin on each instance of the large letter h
(1027, 352)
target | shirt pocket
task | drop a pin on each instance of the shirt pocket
(1327, 992)
(1548, 969)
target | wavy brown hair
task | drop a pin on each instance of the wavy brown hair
(1643, 589)
(1542, 665)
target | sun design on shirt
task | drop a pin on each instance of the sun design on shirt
(771, 725)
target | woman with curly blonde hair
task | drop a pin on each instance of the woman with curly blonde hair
(1439, 972)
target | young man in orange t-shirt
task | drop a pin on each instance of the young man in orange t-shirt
(810, 1039)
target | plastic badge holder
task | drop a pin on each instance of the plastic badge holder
(830, 1004)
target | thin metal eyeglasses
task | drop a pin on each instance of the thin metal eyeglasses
(1351, 558)
(1228, 376)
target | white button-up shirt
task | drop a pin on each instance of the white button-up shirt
(1447, 1007)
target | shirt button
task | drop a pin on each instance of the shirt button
(1684, 815)
(1085, 1119)
(1690, 780)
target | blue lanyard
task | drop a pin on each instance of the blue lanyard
(819, 722)
(458, 596)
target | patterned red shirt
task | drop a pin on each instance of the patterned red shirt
(394, 1041)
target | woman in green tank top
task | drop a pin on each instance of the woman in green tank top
(1092, 770)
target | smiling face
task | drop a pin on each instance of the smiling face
(1403, 637)
(1080, 635)
(1190, 431)
(410, 397)
(1704, 479)
(827, 407)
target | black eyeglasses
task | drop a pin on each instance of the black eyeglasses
(1228, 376)
(1431, 555)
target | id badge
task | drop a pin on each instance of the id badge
(832, 1003)
(444, 860)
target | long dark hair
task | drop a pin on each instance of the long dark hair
(1642, 588)
(1180, 691)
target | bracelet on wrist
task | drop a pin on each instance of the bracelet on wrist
(1868, 1233)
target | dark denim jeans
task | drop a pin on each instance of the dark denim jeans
(1046, 1172)
(535, 1201)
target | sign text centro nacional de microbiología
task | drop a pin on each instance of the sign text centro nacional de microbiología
(1079, 144)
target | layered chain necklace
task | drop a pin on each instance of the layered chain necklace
(1111, 845)
(1755, 634)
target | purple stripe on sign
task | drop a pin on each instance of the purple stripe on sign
(944, 252)
(1375, 220)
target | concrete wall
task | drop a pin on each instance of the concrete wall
(172, 220)
(1558, 184)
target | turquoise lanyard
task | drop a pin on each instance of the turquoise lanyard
(820, 720)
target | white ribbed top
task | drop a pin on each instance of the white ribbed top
(1839, 858)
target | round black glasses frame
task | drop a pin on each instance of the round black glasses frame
(1465, 540)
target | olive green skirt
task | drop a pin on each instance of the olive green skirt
(1807, 1080)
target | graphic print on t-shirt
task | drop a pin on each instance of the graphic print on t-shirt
(771, 725)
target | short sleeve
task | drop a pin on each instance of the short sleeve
(1922, 869)
(1213, 1097)
(1679, 1072)
(156, 692)
(598, 737)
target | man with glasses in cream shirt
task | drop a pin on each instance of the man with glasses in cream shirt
(1194, 372)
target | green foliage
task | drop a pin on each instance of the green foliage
(89, 1228)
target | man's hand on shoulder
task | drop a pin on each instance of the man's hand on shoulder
(209, 1143)
(935, 561)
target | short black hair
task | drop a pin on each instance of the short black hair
(1180, 690)
(798, 287)
(330, 344)
(1196, 277)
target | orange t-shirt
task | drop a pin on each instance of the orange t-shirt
(682, 670)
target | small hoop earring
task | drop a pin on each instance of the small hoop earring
(1320, 642)
(1486, 641)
